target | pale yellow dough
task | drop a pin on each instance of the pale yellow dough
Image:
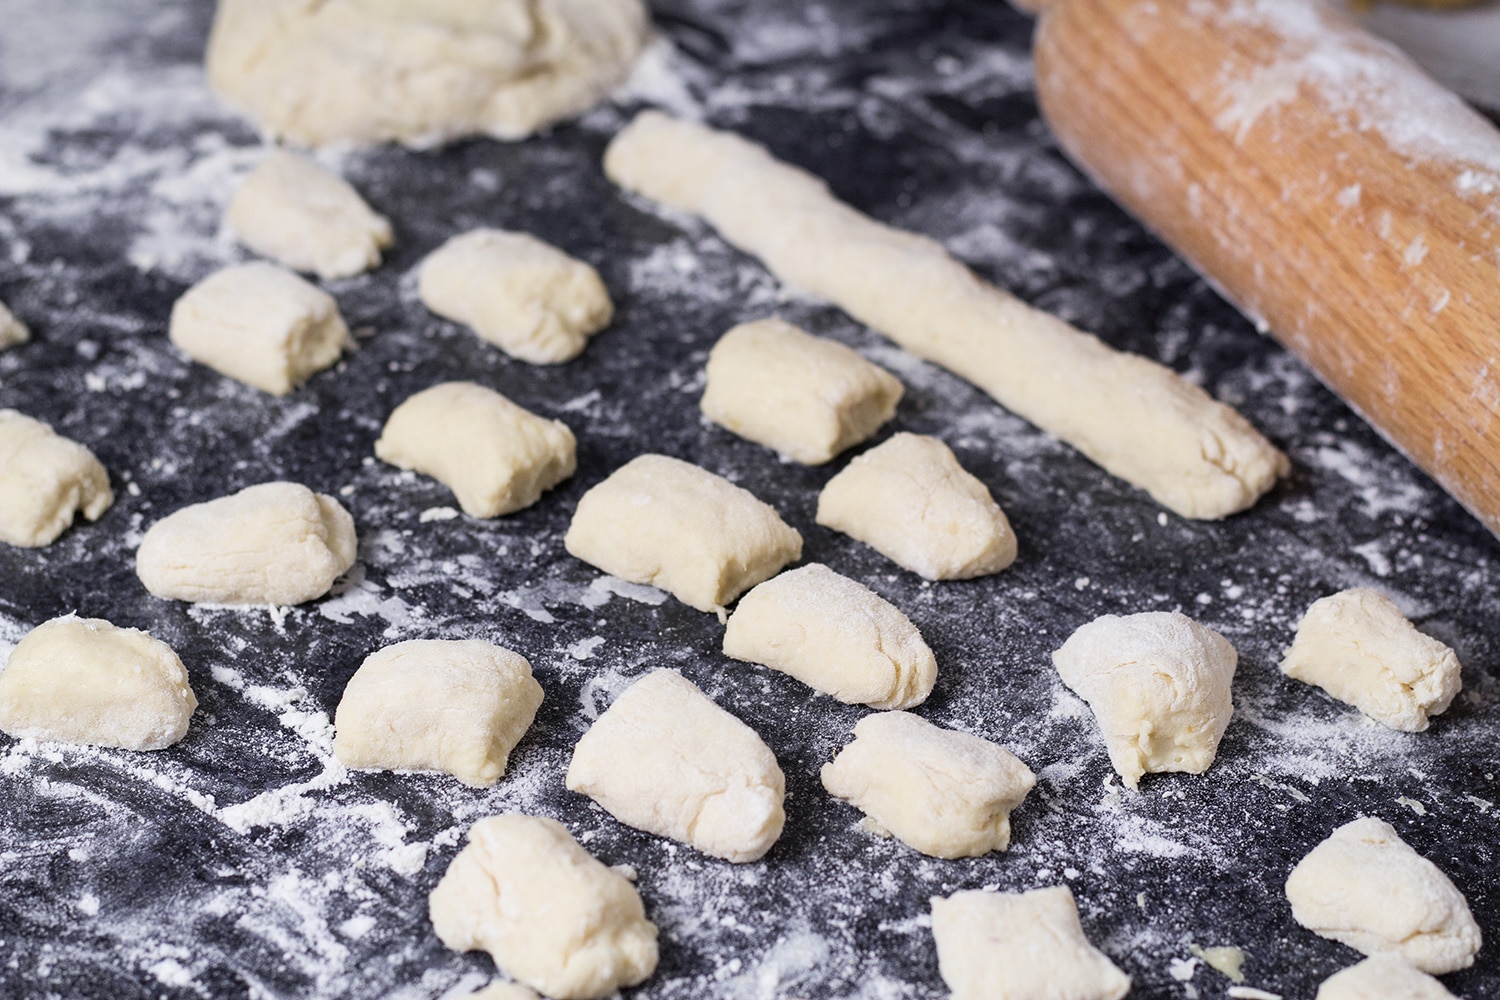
(12, 330)
(1383, 977)
(45, 481)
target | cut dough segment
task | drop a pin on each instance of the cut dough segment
(304, 217)
(1366, 888)
(806, 397)
(835, 635)
(664, 522)
(83, 680)
(1159, 684)
(45, 481)
(496, 456)
(665, 759)
(548, 913)
(1360, 648)
(1020, 946)
(276, 543)
(912, 502)
(12, 330)
(459, 706)
(1138, 419)
(260, 324)
(948, 794)
(529, 299)
(1383, 977)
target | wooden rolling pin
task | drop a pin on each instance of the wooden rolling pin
(1331, 189)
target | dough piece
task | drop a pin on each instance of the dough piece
(496, 456)
(12, 330)
(1138, 419)
(835, 635)
(669, 524)
(304, 217)
(529, 299)
(947, 794)
(276, 543)
(1366, 888)
(1359, 647)
(912, 502)
(500, 990)
(45, 480)
(260, 324)
(1383, 977)
(83, 680)
(418, 71)
(1020, 946)
(1159, 684)
(459, 706)
(665, 759)
(806, 397)
(548, 913)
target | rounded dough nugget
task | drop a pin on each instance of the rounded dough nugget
(458, 706)
(912, 502)
(12, 330)
(276, 543)
(495, 456)
(548, 913)
(1383, 977)
(665, 759)
(529, 299)
(83, 680)
(45, 481)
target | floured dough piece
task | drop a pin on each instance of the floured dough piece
(1159, 684)
(548, 913)
(260, 324)
(528, 298)
(669, 524)
(495, 456)
(835, 635)
(45, 481)
(948, 794)
(912, 502)
(1360, 648)
(665, 759)
(12, 330)
(276, 543)
(459, 706)
(1383, 977)
(1020, 946)
(308, 219)
(83, 680)
(1366, 888)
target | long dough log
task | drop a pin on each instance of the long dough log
(1136, 418)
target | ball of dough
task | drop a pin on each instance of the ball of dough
(1159, 684)
(1383, 977)
(947, 794)
(276, 543)
(459, 706)
(83, 680)
(529, 299)
(665, 759)
(45, 481)
(912, 502)
(1365, 887)
(495, 456)
(12, 330)
(548, 913)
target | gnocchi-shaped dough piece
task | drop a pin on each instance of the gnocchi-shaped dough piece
(665, 759)
(834, 635)
(912, 502)
(83, 680)
(948, 794)
(1020, 946)
(12, 330)
(276, 543)
(453, 705)
(806, 397)
(1360, 648)
(549, 914)
(45, 481)
(526, 297)
(300, 215)
(667, 523)
(1383, 977)
(260, 324)
(1365, 887)
(495, 456)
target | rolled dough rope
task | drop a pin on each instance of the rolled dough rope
(1136, 418)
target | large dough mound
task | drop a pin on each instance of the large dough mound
(45, 480)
